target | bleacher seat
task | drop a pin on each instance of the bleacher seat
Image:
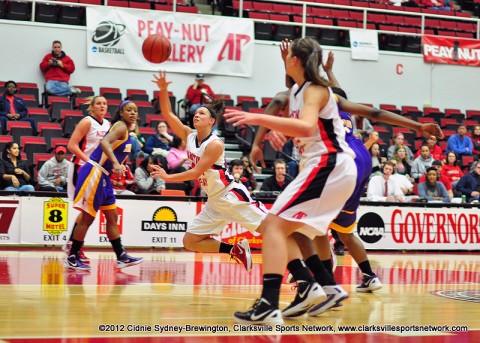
(56, 141)
(32, 145)
(39, 114)
(111, 93)
(146, 132)
(39, 159)
(49, 131)
(137, 94)
(46, 12)
(18, 129)
(71, 15)
(4, 139)
(28, 88)
(56, 104)
(18, 10)
(70, 119)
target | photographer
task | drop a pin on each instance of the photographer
(58, 67)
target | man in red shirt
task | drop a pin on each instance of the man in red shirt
(13, 108)
(58, 67)
(197, 94)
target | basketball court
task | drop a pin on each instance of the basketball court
(179, 296)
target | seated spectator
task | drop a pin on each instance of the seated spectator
(57, 68)
(146, 184)
(197, 94)
(442, 5)
(138, 142)
(404, 166)
(122, 182)
(432, 189)
(52, 177)
(160, 143)
(384, 188)
(377, 159)
(460, 143)
(405, 185)
(469, 184)
(435, 150)
(361, 126)
(14, 170)
(438, 165)
(451, 169)
(399, 139)
(476, 139)
(248, 172)
(290, 150)
(422, 162)
(237, 168)
(280, 180)
(177, 159)
(13, 108)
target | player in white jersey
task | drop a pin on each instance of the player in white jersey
(84, 140)
(227, 200)
(315, 197)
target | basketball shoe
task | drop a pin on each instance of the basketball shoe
(66, 248)
(369, 284)
(335, 295)
(74, 262)
(262, 312)
(126, 260)
(308, 295)
(241, 253)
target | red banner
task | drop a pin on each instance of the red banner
(451, 50)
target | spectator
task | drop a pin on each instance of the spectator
(177, 157)
(197, 94)
(58, 67)
(438, 165)
(422, 162)
(459, 143)
(145, 184)
(248, 172)
(13, 108)
(384, 188)
(432, 189)
(469, 184)
(399, 139)
(405, 185)
(435, 150)
(290, 150)
(451, 169)
(52, 177)
(138, 142)
(404, 166)
(121, 182)
(476, 139)
(160, 143)
(361, 126)
(237, 168)
(14, 170)
(377, 160)
(280, 180)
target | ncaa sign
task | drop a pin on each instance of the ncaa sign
(371, 228)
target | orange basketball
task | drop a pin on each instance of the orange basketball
(156, 48)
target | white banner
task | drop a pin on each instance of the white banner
(200, 43)
(364, 44)
(419, 228)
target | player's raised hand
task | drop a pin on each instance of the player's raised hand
(431, 129)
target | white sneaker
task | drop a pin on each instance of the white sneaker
(75, 90)
(369, 284)
(335, 295)
(308, 295)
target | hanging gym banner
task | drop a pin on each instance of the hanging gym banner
(451, 50)
(210, 44)
(364, 45)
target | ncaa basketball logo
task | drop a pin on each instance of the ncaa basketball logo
(108, 33)
(371, 228)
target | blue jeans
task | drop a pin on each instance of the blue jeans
(24, 188)
(58, 88)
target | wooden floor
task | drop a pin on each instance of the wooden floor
(41, 301)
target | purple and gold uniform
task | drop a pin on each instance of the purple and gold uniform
(94, 190)
(347, 218)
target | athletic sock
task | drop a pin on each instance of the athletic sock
(225, 248)
(299, 270)
(71, 234)
(327, 264)
(118, 247)
(271, 288)
(76, 246)
(366, 268)
(320, 273)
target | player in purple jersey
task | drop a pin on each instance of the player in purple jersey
(94, 190)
